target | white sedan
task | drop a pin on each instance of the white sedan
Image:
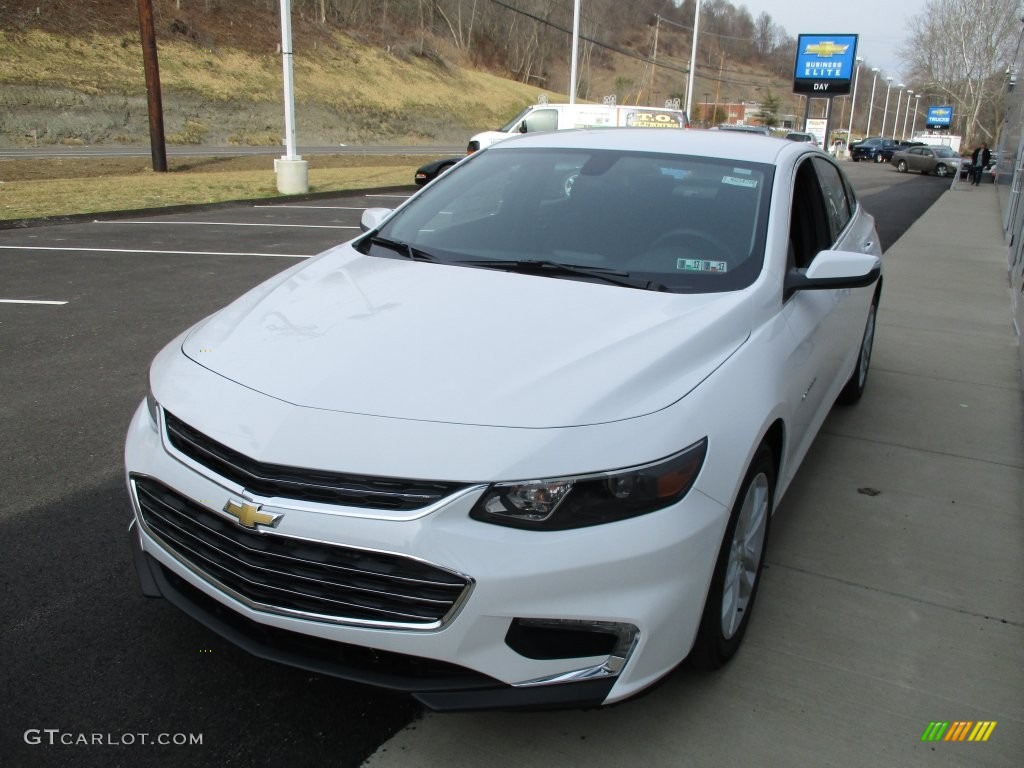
(518, 444)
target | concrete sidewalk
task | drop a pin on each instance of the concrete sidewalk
(894, 590)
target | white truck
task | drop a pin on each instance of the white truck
(939, 139)
(557, 117)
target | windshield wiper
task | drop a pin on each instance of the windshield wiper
(403, 249)
(555, 268)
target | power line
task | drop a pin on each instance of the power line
(640, 57)
(592, 41)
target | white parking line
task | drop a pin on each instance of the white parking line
(140, 250)
(316, 207)
(29, 301)
(230, 224)
(400, 197)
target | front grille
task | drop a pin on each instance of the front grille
(304, 484)
(387, 669)
(283, 574)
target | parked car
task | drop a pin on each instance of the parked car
(875, 149)
(503, 449)
(801, 136)
(428, 172)
(942, 161)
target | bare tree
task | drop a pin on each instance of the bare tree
(958, 50)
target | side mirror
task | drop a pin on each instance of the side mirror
(373, 218)
(834, 269)
(522, 127)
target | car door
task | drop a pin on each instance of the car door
(924, 160)
(821, 218)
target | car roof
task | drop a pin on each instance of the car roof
(732, 145)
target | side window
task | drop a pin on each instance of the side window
(808, 225)
(837, 207)
(542, 120)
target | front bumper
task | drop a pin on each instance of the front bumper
(649, 573)
(438, 685)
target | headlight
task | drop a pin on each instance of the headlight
(558, 504)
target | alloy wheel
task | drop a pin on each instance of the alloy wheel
(745, 554)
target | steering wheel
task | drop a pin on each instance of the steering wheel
(690, 243)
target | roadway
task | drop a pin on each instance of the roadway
(83, 651)
(100, 150)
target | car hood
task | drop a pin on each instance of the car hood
(410, 340)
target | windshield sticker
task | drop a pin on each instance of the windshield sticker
(752, 183)
(701, 265)
(742, 171)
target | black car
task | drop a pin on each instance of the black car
(427, 173)
(874, 148)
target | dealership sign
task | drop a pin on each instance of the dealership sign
(939, 117)
(824, 64)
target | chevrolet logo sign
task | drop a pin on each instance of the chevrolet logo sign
(249, 515)
(825, 49)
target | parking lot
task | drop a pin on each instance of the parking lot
(891, 595)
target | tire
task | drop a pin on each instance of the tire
(901, 166)
(737, 573)
(855, 158)
(941, 170)
(854, 387)
(878, 157)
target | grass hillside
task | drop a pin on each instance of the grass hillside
(67, 83)
(71, 72)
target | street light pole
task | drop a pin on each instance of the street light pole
(292, 170)
(896, 116)
(575, 50)
(853, 101)
(885, 113)
(913, 125)
(906, 114)
(693, 61)
(871, 106)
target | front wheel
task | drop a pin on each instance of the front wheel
(901, 166)
(737, 571)
(854, 388)
(941, 170)
(879, 158)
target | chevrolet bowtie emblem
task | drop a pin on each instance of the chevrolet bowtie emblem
(825, 49)
(249, 515)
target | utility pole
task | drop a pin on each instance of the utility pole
(718, 86)
(157, 146)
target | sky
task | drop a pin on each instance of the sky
(880, 25)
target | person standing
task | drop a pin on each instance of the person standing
(979, 160)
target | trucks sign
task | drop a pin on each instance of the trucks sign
(824, 64)
(939, 117)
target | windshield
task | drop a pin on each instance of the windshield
(664, 222)
(514, 121)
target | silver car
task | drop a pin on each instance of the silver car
(942, 161)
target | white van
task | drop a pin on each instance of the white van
(558, 117)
